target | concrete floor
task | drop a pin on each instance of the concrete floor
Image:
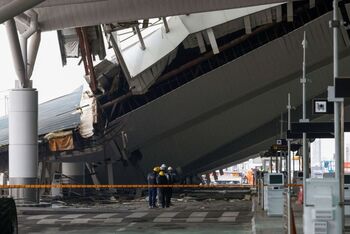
(202, 217)
(263, 224)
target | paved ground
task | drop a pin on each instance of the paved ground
(188, 215)
(264, 224)
(210, 216)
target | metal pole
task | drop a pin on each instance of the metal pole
(271, 164)
(166, 26)
(293, 161)
(305, 155)
(119, 56)
(138, 32)
(289, 171)
(281, 137)
(338, 126)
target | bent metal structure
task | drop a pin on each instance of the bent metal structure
(198, 92)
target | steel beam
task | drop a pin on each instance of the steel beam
(247, 25)
(16, 7)
(119, 56)
(166, 26)
(139, 35)
(32, 29)
(212, 40)
(16, 51)
(33, 52)
(201, 43)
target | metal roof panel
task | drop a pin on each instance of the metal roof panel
(54, 115)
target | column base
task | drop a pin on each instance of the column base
(24, 195)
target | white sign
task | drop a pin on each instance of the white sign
(320, 106)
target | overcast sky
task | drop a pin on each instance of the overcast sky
(49, 77)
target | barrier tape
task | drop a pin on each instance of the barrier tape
(287, 185)
(38, 186)
(127, 186)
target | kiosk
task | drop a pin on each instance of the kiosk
(275, 189)
(320, 205)
(56, 180)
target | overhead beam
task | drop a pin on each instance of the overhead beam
(55, 15)
(10, 9)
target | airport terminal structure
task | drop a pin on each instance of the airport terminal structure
(199, 85)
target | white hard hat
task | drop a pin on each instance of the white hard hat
(163, 166)
(170, 168)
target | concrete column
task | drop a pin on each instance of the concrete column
(75, 171)
(23, 142)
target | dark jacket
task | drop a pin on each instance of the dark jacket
(152, 178)
(162, 179)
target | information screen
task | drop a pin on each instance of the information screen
(276, 179)
(346, 179)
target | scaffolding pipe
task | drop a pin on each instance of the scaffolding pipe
(15, 8)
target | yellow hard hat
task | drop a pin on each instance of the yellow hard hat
(156, 169)
(161, 173)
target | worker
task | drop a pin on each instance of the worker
(171, 180)
(163, 167)
(152, 190)
(162, 180)
(250, 177)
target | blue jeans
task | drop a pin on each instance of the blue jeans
(152, 193)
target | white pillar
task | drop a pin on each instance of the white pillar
(75, 171)
(23, 142)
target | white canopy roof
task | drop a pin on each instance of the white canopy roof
(59, 14)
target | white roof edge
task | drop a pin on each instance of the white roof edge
(159, 44)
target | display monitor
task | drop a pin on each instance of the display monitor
(276, 179)
(347, 179)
